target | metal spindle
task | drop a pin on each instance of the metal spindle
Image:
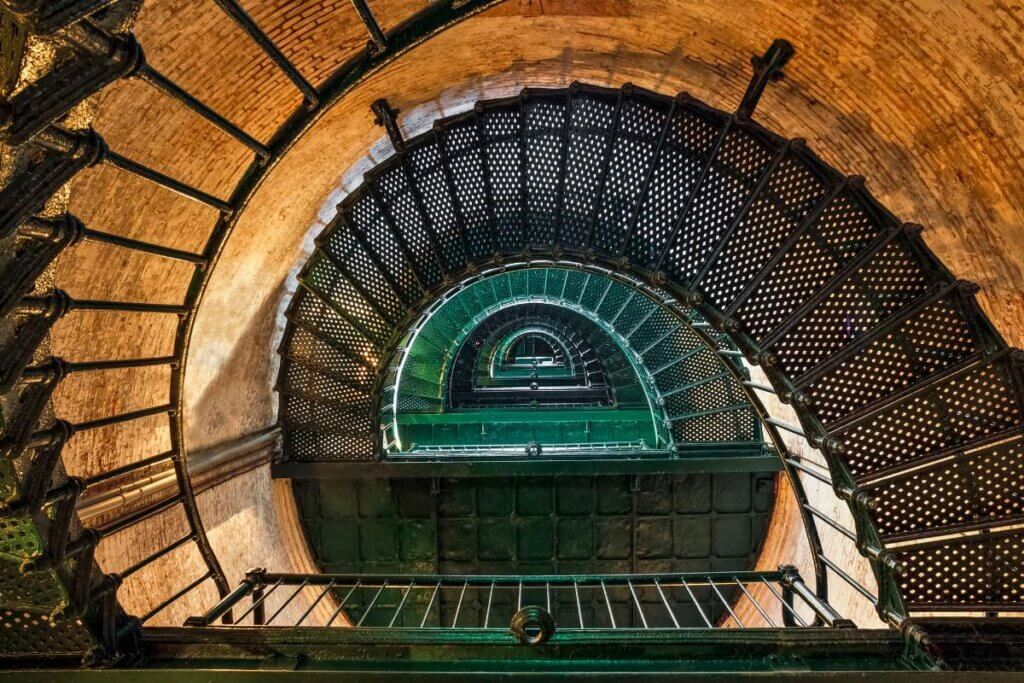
(490, 599)
(639, 607)
(369, 608)
(755, 603)
(700, 610)
(258, 601)
(287, 602)
(316, 602)
(458, 607)
(430, 604)
(343, 602)
(725, 602)
(831, 522)
(785, 605)
(608, 603)
(856, 585)
(664, 601)
(176, 92)
(793, 429)
(398, 610)
(135, 168)
(579, 605)
(163, 605)
(256, 34)
(123, 417)
(153, 557)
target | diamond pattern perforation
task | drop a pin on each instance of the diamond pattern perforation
(980, 572)
(872, 295)
(410, 224)
(950, 414)
(557, 168)
(438, 204)
(983, 486)
(632, 153)
(737, 167)
(936, 338)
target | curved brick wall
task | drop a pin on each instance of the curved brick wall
(922, 98)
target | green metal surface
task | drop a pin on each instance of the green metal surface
(538, 525)
(658, 358)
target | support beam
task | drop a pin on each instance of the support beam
(234, 10)
(767, 69)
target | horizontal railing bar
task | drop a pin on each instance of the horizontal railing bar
(135, 168)
(167, 456)
(786, 426)
(256, 34)
(138, 245)
(152, 557)
(123, 417)
(40, 304)
(166, 603)
(808, 471)
(559, 581)
(158, 80)
(856, 585)
(831, 522)
(127, 306)
(95, 365)
(760, 387)
(66, 142)
(139, 516)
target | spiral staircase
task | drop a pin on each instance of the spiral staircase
(703, 268)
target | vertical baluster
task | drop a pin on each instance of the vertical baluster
(458, 607)
(316, 602)
(579, 605)
(369, 608)
(343, 602)
(664, 601)
(785, 605)
(608, 604)
(639, 607)
(430, 604)
(696, 604)
(398, 610)
(756, 604)
(490, 599)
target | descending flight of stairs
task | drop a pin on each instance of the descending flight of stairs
(893, 369)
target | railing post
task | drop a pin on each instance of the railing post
(792, 583)
(224, 607)
(258, 577)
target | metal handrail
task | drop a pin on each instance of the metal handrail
(784, 586)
